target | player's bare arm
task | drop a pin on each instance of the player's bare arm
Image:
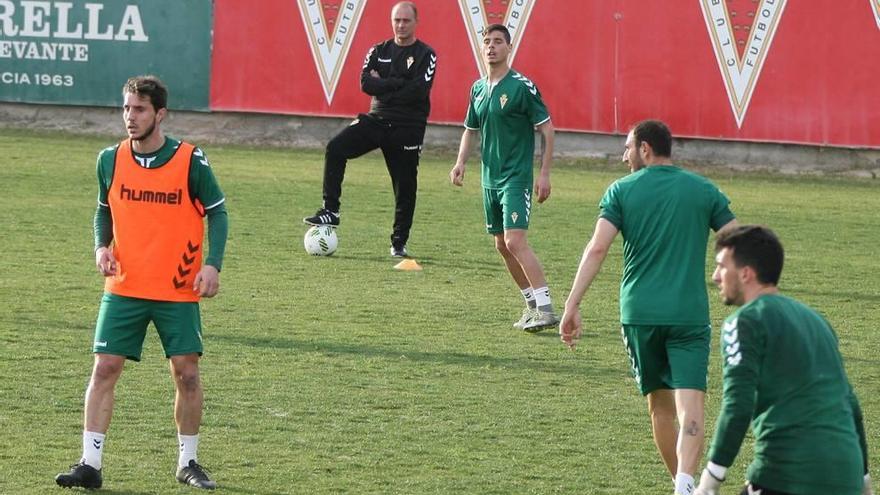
(542, 183)
(456, 175)
(570, 328)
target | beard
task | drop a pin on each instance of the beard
(734, 298)
(147, 133)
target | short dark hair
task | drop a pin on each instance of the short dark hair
(498, 27)
(656, 134)
(754, 246)
(150, 86)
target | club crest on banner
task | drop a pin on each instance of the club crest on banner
(330, 26)
(478, 14)
(741, 32)
(875, 4)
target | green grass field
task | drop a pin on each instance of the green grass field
(342, 375)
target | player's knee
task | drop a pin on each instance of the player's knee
(107, 371)
(515, 244)
(501, 246)
(662, 416)
(186, 373)
(187, 379)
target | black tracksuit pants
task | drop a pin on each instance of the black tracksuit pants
(401, 146)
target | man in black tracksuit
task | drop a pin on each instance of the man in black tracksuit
(398, 74)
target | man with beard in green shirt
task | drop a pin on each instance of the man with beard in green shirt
(783, 373)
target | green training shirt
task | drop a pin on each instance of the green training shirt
(506, 115)
(202, 186)
(664, 214)
(784, 373)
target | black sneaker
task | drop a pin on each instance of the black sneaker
(399, 252)
(82, 475)
(195, 475)
(323, 217)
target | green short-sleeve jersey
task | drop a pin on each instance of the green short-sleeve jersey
(664, 214)
(202, 183)
(506, 115)
(784, 373)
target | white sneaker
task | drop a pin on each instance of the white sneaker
(528, 314)
(541, 321)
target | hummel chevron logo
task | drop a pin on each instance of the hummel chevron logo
(529, 84)
(478, 14)
(741, 34)
(201, 156)
(330, 25)
(96, 443)
(730, 326)
(730, 337)
(185, 269)
(731, 349)
(429, 74)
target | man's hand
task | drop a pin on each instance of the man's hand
(105, 261)
(542, 187)
(456, 175)
(207, 281)
(570, 328)
(866, 489)
(709, 484)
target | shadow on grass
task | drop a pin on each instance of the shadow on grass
(238, 489)
(586, 367)
(110, 490)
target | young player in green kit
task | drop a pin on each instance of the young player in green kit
(505, 108)
(784, 373)
(153, 195)
(664, 214)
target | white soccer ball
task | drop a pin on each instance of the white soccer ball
(321, 240)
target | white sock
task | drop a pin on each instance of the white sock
(684, 484)
(93, 448)
(529, 296)
(189, 444)
(542, 297)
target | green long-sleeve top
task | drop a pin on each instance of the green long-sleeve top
(783, 372)
(202, 186)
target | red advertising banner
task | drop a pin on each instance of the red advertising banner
(753, 70)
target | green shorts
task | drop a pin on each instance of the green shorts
(122, 326)
(668, 357)
(507, 208)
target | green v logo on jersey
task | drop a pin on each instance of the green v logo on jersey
(741, 34)
(478, 14)
(330, 49)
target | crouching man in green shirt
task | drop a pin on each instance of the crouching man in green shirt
(783, 373)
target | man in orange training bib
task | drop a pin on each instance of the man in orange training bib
(153, 193)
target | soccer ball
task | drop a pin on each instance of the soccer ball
(321, 240)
